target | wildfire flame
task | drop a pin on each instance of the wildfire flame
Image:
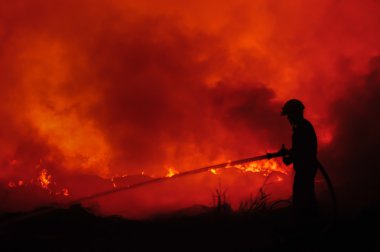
(171, 172)
(213, 171)
(265, 167)
(45, 179)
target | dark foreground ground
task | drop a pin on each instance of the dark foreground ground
(76, 229)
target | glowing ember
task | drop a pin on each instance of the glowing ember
(213, 171)
(171, 172)
(113, 183)
(279, 179)
(12, 184)
(44, 179)
(65, 192)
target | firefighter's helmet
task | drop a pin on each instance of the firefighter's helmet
(292, 106)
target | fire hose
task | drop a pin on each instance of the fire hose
(145, 183)
(280, 153)
(179, 175)
(330, 188)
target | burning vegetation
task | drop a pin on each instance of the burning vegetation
(44, 181)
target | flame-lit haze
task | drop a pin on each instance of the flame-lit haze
(98, 91)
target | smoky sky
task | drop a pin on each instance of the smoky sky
(353, 155)
(119, 87)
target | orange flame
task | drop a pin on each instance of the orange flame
(214, 171)
(171, 172)
(265, 167)
(44, 179)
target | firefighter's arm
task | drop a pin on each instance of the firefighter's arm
(287, 157)
(284, 153)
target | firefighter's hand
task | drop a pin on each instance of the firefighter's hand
(283, 151)
(287, 160)
(286, 155)
(280, 153)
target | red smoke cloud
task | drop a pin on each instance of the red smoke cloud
(122, 87)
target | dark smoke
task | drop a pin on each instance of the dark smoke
(353, 157)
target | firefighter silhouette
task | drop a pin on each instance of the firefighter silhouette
(303, 156)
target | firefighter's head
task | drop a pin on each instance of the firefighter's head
(293, 109)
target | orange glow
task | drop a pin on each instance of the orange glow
(171, 172)
(279, 179)
(213, 171)
(264, 167)
(12, 184)
(45, 179)
(135, 87)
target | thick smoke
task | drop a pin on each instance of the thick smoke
(122, 87)
(353, 155)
